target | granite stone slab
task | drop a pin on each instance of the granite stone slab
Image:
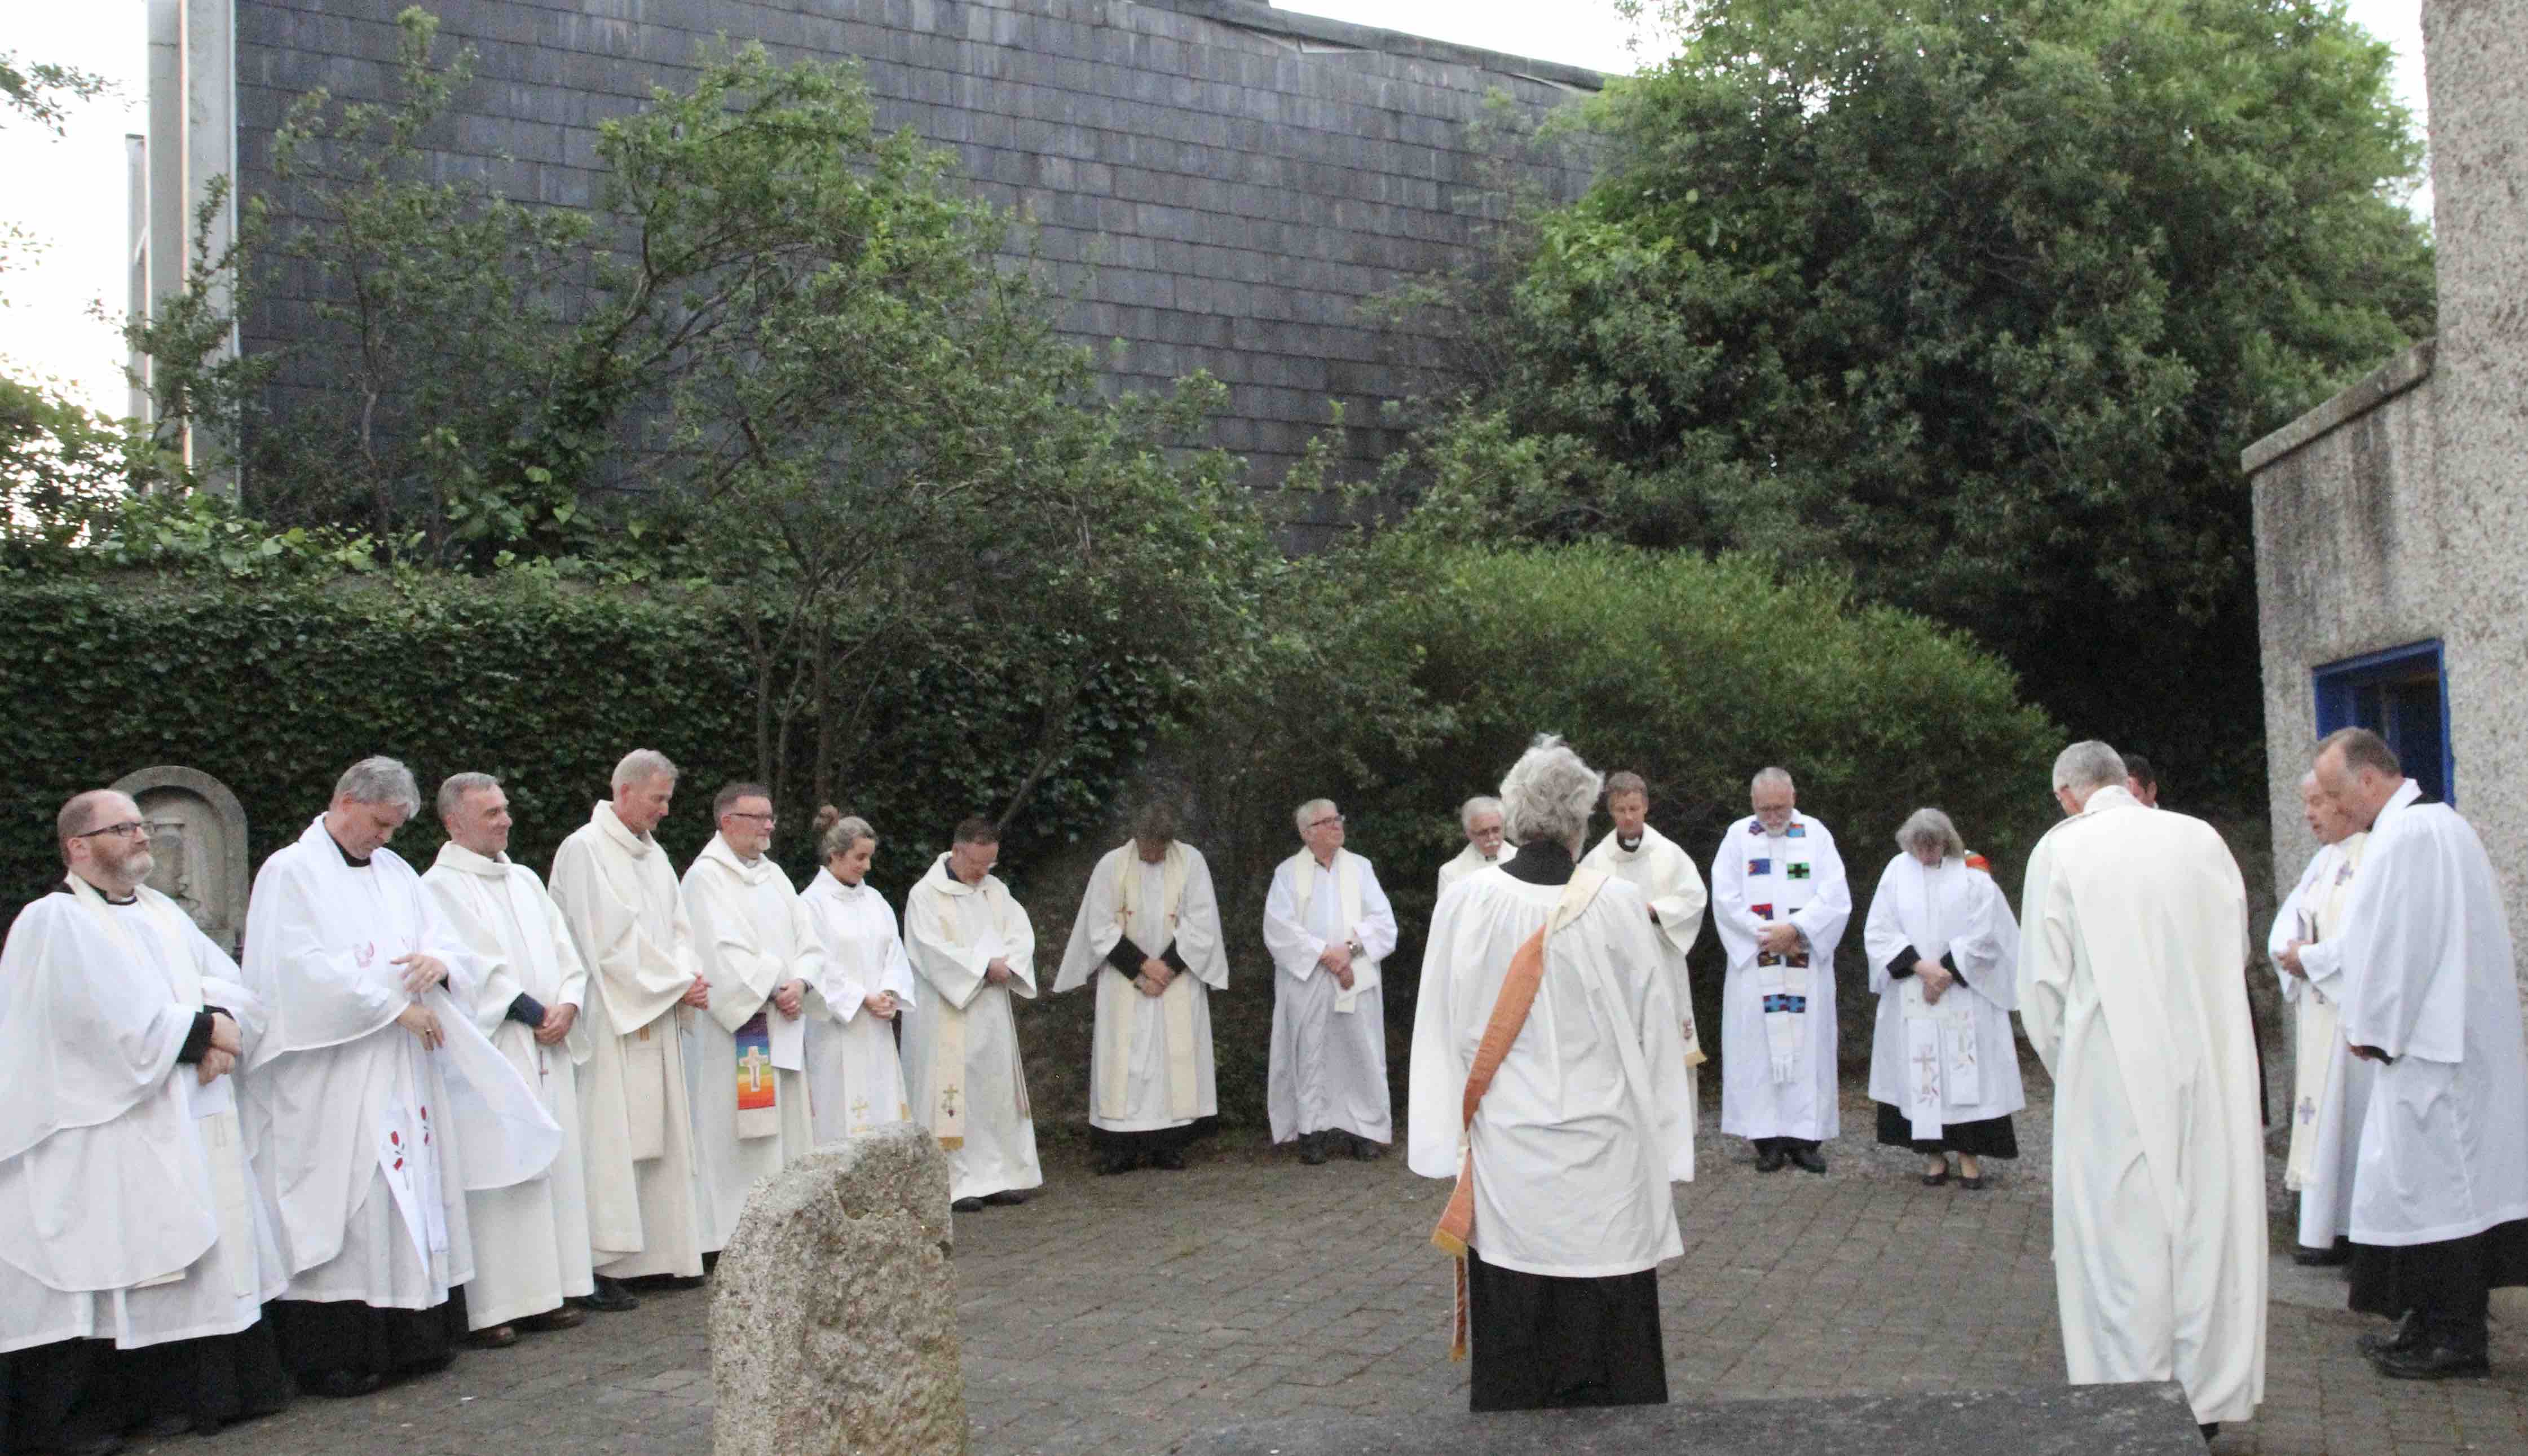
(2150, 1420)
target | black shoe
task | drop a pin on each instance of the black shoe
(1114, 1163)
(1972, 1185)
(683, 1282)
(610, 1298)
(1007, 1197)
(1312, 1149)
(2210, 1429)
(967, 1206)
(1168, 1160)
(1771, 1160)
(2396, 1338)
(2308, 1258)
(345, 1384)
(1365, 1151)
(2437, 1362)
(1810, 1160)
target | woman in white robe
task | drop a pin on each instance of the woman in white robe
(1944, 964)
(854, 1076)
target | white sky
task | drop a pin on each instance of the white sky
(71, 192)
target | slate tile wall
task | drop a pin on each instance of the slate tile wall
(1220, 184)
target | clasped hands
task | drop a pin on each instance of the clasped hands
(220, 1058)
(1155, 977)
(998, 973)
(1779, 938)
(1336, 959)
(1936, 979)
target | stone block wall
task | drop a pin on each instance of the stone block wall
(1221, 185)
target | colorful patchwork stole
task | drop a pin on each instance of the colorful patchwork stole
(758, 1113)
(1784, 979)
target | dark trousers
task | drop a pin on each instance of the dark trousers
(1783, 1144)
(1129, 1149)
(2446, 1287)
(1541, 1342)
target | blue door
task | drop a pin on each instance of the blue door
(2402, 695)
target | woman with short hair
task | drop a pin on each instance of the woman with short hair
(855, 1080)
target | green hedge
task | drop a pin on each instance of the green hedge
(275, 688)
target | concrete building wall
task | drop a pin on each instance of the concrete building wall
(1243, 179)
(2398, 511)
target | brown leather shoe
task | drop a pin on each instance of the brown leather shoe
(497, 1337)
(564, 1318)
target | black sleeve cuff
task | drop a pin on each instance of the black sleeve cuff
(198, 1041)
(1171, 959)
(1903, 965)
(1126, 957)
(1949, 962)
(527, 1010)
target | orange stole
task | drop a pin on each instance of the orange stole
(1457, 1227)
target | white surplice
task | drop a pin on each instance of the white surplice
(854, 1076)
(1149, 1066)
(1951, 1061)
(2135, 928)
(128, 1208)
(621, 900)
(1329, 1067)
(1672, 888)
(531, 1247)
(1469, 860)
(2432, 983)
(960, 1054)
(1583, 1127)
(1777, 1067)
(367, 1142)
(2330, 1086)
(751, 935)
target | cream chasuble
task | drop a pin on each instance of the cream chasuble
(1329, 1059)
(626, 915)
(960, 1054)
(854, 1076)
(2330, 1086)
(1150, 1065)
(2425, 957)
(745, 1063)
(531, 1248)
(128, 1211)
(1777, 1026)
(1954, 1060)
(366, 1141)
(1467, 860)
(2135, 926)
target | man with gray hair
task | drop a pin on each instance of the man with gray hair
(531, 1239)
(1486, 844)
(2440, 1212)
(364, 1154)
(1780, 902)
(2134, 926)
(2330, 1086)
(1549, 1079)
(626, 914)
(1327, 924)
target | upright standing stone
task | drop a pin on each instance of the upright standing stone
(833, 1322)
(197, 837)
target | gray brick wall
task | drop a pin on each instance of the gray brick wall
(1220, 184)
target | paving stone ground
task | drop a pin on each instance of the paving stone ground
(1116, 1315)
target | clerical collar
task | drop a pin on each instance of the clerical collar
(357, 861)
(64, 888)
(1541, 863)
(1630, 846)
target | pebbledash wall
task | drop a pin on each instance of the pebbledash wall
(1242, 178)
(2391, 522)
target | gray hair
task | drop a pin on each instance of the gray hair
(1764, 776)
(453, 789)
(1548, 794)
(2089, 765)
(1931, 826)
(1304, 813)
(380, 780)
(843, 833)
(641, 765)
(1481, 804)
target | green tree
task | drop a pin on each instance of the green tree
(42, 92)
(1980, 302)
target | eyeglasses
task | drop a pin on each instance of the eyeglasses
(127, 829)
(769, 819)
(1328, 819)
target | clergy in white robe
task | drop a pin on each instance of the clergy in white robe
(746, 1064)
(2330, 1086)
(1327, 924)
(2133, 929)
(1549, 1078)
(1944, 964)
(1779, 901)
(626, 914)
(373, 1105)
(974, 950)
(1149, 935)
(1674, 898)
(136, 1251)
(531, 1248)
(1486, 844)
(2440, 1200)
(855, 1075)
